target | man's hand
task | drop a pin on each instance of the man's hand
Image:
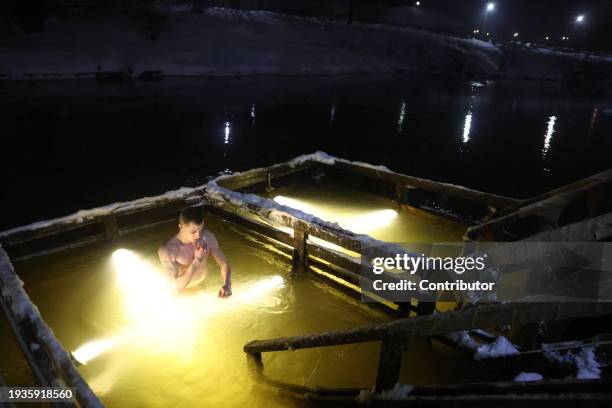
(225, 291)
(200, 252)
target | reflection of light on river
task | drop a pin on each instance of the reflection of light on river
(467, 126)
(160, 321)
(226, 139)
(402, 117)
(550, 130)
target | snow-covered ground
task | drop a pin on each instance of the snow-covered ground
(227, 42)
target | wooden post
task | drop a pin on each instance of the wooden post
(111, 229)
(400, 190)
(300, 238)
(389, 364)
(269, 187)
(255, 364)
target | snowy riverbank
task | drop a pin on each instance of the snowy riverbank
(226, 42)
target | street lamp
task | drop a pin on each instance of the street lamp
(580, 19)
(488, 9)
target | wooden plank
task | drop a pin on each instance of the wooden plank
(263, 229)
(337, 260)
(598, 392)
(90, 240)
(275, 214)
(494, 200)
(431, 325)
(569, 400)
(590, 182)
(80, 243)
(548, 209)
(50, 363)
(551, 386)
(260, 175)
(4, 384)
(49, 227)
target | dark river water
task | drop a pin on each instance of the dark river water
(75, 145)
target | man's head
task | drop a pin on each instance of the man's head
(191, 224)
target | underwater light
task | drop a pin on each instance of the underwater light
(355, 220)
(371, 220)
(158, 321)
(93, 349)
(295, 203)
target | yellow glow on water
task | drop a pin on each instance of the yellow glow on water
(359, 221)
(159, 321)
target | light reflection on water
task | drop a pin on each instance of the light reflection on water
(366, 213)
(413, 125)
(550, 130)
(227, 129)
(157, 351)
(467, 126)
(402, 117)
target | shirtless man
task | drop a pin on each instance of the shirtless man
(184, 257)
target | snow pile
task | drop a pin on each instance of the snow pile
(526, 377)
(86, 44)
(584, 359)
(86, 215)
(318, 156)
(499, 348)
(398, 392)
(490, 275)
(587, 364)
(463, 340)
(324, 158)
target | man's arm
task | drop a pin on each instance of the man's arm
(173, 271)
(226, 270)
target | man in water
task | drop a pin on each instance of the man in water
(184, 257)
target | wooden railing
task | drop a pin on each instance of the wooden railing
(397, 335)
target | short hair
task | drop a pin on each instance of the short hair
(191, 214)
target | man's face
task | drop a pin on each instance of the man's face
(191, 231)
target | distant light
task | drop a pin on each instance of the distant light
(488, 34)
(418, 3)
(490, 6)
(580, 18)
(515, 35)
(547, 38)
(476, 31)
